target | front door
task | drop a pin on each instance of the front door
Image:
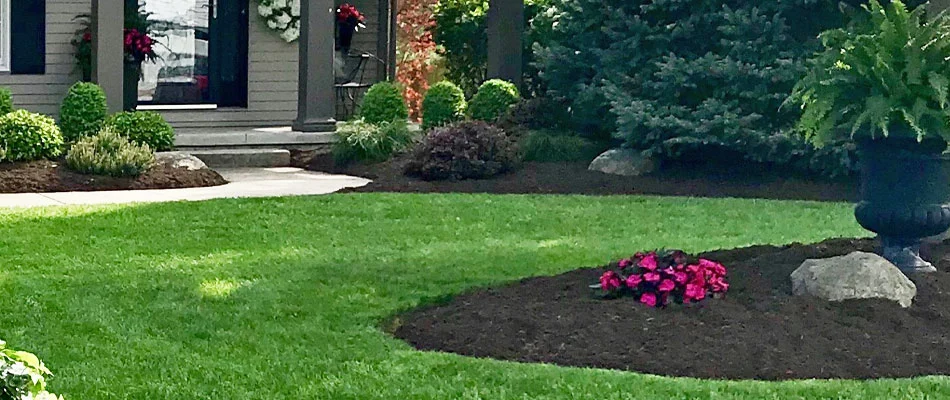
(202, 54)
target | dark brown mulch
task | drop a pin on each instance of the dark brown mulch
(697, 179)
(49, 176)
(759, 331)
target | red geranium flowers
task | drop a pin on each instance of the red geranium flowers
(660, 278)
(347, 13)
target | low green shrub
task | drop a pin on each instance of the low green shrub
(6, 101)
(143, 127)
(108, 153)
(23, 376)
(543, 146)
(359, 140)
(383, 102)
(444, 103)
(493, 100)
(83, 111)
(26, 136)
(465, 150)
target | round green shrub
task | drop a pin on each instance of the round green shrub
(83, 111)
(383, 102)
(143, 127)
(464, 150)
(493, 100)
(6, 101)
(444, 103)
(26, 136)
(109, 153)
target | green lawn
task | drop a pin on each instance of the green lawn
(282, 298)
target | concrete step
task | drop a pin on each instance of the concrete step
(243, 158)
(260, 137)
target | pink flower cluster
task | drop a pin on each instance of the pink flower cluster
(138, 45)
(660, 278)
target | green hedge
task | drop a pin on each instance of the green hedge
(26, 136)
(383, 102)
(6, 101)
(444, 103)
(143, 127)
(493, 100)
(674, 77)
(83, 111)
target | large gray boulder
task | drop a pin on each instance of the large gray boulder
(624, 162)
(855, 276)
(178, 159)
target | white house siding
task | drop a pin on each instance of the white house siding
(272, 72)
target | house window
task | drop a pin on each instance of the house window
(4, 35)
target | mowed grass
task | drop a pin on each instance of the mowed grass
(284, 298)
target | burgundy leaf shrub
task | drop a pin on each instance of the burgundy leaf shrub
(660, 278)
(464, 150)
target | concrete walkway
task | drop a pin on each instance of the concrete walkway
(245, 182)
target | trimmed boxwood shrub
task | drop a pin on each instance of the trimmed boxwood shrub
(83, 111)
(6, 101)
(465, 150)
(109, 153)
(494, 98)
(675, 77)
(362, 141)
(444, 103)
(143, 127)
(26, 136)
(383, 102)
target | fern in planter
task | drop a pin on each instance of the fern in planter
(885, 75)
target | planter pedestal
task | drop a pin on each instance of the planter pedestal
(905, 188)
(130, 85)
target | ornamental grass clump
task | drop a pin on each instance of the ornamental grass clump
(888, 69)
(658, 279)
(23, 376)
(361, 141)
(108, 153)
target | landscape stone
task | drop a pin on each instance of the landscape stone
(857, 275)
(624, 162)
(178, 159)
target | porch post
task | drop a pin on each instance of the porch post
(505, 29)
(316, 100)
(108, 49)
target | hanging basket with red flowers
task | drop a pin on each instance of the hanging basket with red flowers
(660, 278)
(348, 20)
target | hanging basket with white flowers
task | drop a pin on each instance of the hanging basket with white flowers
(282, 16)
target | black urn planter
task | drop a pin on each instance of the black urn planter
(345, 32)
(130, 84)
(905, 191)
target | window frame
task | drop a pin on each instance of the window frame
(5, 31)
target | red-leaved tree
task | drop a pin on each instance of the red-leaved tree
(415, 51)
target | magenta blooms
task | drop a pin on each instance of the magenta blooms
(138, 46)
(660, 278)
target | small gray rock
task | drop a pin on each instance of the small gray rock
(178, 159)
(624, 162)
(855, 276)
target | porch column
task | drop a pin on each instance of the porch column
(505, 29)
(108, 49)
(316, 97)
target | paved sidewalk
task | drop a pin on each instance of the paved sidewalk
(244, 182)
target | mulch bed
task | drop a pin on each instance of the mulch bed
(49, 176)
(694, 179)
(759, 331)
